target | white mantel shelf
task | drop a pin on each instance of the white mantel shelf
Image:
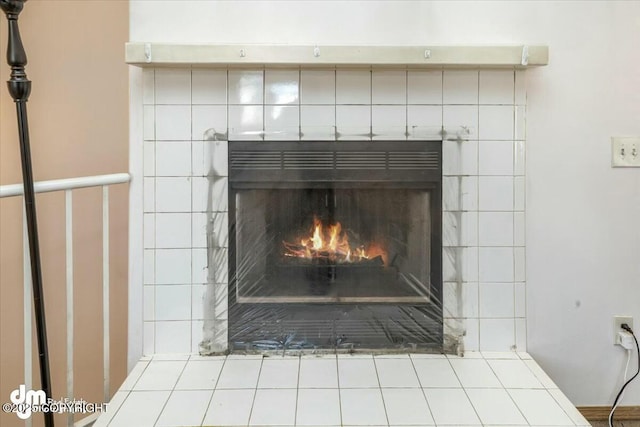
(203, 55)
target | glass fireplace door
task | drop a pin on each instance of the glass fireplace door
(333, 245)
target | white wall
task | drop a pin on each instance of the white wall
(583, 248)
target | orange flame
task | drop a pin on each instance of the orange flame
(331, 242)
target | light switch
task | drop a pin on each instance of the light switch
(625, 152)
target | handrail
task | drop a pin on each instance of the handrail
(66, 184)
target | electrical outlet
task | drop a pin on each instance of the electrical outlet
(625, 152)
(617, 322)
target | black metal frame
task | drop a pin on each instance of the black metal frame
(317, 164)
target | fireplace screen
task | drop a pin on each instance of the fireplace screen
(335, 245)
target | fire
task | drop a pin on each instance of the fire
(331, 242)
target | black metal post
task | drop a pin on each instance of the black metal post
(20, 88)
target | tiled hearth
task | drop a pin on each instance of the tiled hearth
(189, 115)
(490, 389)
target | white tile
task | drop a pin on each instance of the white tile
(514, 374)
(220, 262)
(521, 87)
(568, 407)
(279, 373)
(423, 118)
(460, 193)
(319, 407)
(540, 408)
(114, 405)
(185, 408)
(520, 131)
(173, 194)
(149, 233)
(199, 222)
(519, 193)
(210, 194)
(229, 408)
(460, 263)
(540, 374)
(362, 407)
(396, 373)
(460, 158)
(406, 407)
(450, 300)
(246, 86)
(471, 337)
(173, 230)
(318, 373)
(199, 266)
(140, 409)
(173, 86)
(519, 269)
(173, 337)
(497, 86)
(282, 122)
(470, 299)
(207, 119)
(495, 228)
(200, 375)
(500, 355)
(171, 357)
(496, 300)
(357, 373)
(149, 194)
(460, 120)
(216, 155)
(494, 406)
(496, 123)
(388, 87)
(460, 87)
(474, 373)
(209, 86)
(317, 86)
(519, 158)
(149, 123)
(173, 122)
(239, 374)
(495, 157)
(389, 121)
(149, 338)
(281, 86)
(148, 86)
(353, 121)
(495, 193)
(424, 87)
(149, 158)
(353, 87)
(519, 227)
(520, 303)
(451, 407)
(246, 122)
(497, 334)
(173, 158)
(200, 298)
(435, 373)
(521, 334)
(460, 228)
(133, 376)
(173, 302)
(274, 408)
(318, 122)
(173, 266)
(160, 375)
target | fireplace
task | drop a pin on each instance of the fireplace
(335, 245)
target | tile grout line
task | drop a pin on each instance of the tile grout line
(215, 386)
(339, 389)
(295, 412)
(164, 406)
(384, 405)
(506, 390)
(478, 209)
(422, 388)
(255, 392)
(465, 391)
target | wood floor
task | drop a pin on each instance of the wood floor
(617, 424)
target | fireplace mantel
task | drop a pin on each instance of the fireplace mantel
(161, 54)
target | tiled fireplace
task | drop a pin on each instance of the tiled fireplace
(191, 114)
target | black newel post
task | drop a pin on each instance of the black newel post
(20, 88)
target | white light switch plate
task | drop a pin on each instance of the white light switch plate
(625, 152)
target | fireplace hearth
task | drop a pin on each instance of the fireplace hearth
(335, 245)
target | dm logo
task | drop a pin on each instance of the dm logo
(25, 400)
